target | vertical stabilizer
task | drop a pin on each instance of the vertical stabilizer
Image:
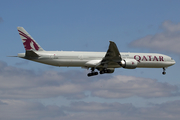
(28, 42)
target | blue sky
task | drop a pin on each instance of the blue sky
(35, 91)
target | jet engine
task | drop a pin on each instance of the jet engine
(129, 63)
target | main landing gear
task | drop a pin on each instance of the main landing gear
(104, 71)
(92, 73)
(164, 69)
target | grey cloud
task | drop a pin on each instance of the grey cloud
(19, 83)
(127, 86)
(98, 107)
(106, 111)
(23, 62)
(169, 26)
(23, 110)
(167, 40)
(18, 109)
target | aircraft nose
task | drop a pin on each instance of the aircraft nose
(173, 62)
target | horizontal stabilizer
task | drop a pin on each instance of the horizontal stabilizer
(12, 56)
(31, 54)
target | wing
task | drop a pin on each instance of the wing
(112, 56)
(110, 61)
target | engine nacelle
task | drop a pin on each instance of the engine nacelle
(129, 63)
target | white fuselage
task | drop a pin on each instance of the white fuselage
(90, 59)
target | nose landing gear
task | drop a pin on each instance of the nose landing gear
(164, 69)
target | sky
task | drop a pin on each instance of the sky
(34, 91)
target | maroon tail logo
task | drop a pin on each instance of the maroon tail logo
(28, 43)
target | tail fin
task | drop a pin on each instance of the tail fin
(28, 42)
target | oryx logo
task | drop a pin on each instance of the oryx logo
(28, 43)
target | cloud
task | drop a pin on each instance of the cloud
(25, 110)
(17, 83)
(127, 86)
(98, 107)
(167, 40)
(19, 86)
(106, 111)
(23, 62)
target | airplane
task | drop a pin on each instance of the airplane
(104, 62)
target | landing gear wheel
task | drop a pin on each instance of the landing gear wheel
(163, 73)
(89, 74)
(95, 73)
(105, 71)
(164, 69)
(101, 72)
(92, 72)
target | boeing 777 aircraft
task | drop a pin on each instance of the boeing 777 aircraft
(104, 62)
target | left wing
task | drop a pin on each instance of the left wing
(112, 56)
